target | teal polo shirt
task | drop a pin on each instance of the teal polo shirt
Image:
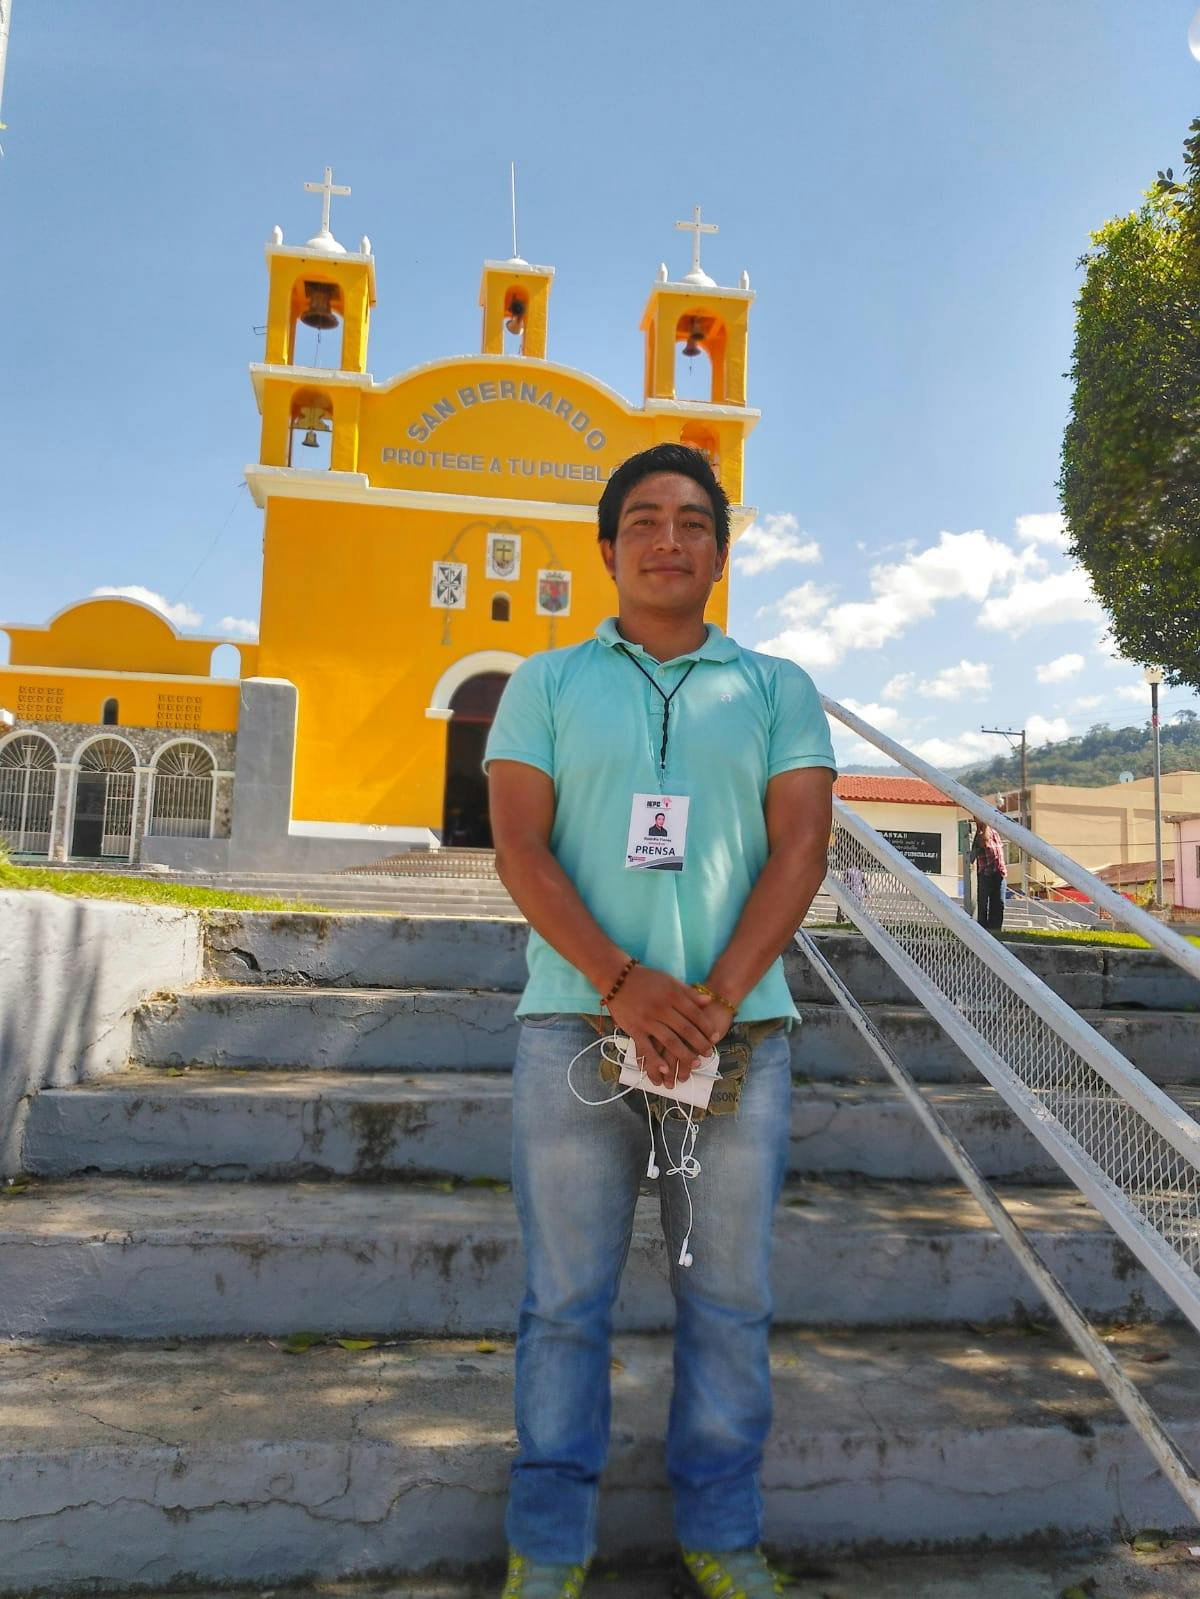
(589, 719)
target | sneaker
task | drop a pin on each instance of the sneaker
(528, 1580)
(732, 1574)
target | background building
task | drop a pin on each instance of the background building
(1111, 826)
(914, 816)
(422, 536)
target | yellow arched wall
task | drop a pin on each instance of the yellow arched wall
(346, 616)
(101, 637)
(81, 699)
(122, 635)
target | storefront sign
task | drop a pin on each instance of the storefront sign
(922, 849)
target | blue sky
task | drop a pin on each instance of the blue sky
(910, 185)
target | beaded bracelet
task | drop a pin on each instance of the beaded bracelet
(703, 988)
(624, 973)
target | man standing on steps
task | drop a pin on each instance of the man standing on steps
(661, 716)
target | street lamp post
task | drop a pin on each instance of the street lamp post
(1154, 676)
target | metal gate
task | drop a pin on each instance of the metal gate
(104, 794)
(182, 799)
(27, 784)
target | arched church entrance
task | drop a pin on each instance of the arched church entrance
(105, 785)
(465, 820)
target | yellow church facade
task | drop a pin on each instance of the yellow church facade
(422, 536)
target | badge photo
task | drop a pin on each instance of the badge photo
(449, 585)
(504, 556)
(553, 592)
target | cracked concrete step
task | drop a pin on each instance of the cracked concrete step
(234, 1462)
(995, 1573)
(368, 951)
(102, 1257)
(286, 1125)
(377, 1029)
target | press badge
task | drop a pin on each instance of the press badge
(657, 833)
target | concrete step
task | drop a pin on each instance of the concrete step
(287, 1125)
(372, 951)
(235, 1462)
(375, 1029)
(103, 1257)
(1012, 1572)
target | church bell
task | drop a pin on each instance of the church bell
(312, 420)
(516, 316)
(695, 334)
(319, 313)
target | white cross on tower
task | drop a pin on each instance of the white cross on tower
(325, 240)
(695, 227)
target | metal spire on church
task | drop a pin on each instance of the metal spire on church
(5, 19)
(324, 240)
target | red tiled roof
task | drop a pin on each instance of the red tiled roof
(1136, 871)
(889, 790)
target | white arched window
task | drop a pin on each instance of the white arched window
(182, 799)
(226, 661)
(27, 794)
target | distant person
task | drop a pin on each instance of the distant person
(987, 852)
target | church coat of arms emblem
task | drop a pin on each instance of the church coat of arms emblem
(553, 593)
(449, 585)
(504, 555)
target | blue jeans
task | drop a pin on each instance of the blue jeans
(576, 1172)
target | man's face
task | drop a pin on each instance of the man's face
(665, 556)
(659, 820)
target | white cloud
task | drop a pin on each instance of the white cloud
(1060, 597)
(800, 604)
(181, 614)
(958, 566)
(897, 687)
(772, 542)
(1044, 527)
(240, 627)
(1047, 729)
(959, 749)
(1060, 669)
(884, 717)
(1138, 692)
(952, 682)
(1087, 702)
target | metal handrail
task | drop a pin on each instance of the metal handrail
(1122, 911)
(1175, 1465)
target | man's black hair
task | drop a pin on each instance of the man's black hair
(679, 458)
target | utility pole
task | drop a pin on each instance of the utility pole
(1154, 676)
(1011, 733)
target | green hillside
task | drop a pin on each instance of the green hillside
(1096, 757)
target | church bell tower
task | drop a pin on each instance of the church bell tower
(321, 286)
(696, 317)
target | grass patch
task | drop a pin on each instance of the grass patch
(144, 891)
(1031, 935)
(1080, 935)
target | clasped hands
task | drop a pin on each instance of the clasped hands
(671, 1024)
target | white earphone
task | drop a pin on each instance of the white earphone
(688, 1166)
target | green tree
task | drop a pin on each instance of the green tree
(1130, 480)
